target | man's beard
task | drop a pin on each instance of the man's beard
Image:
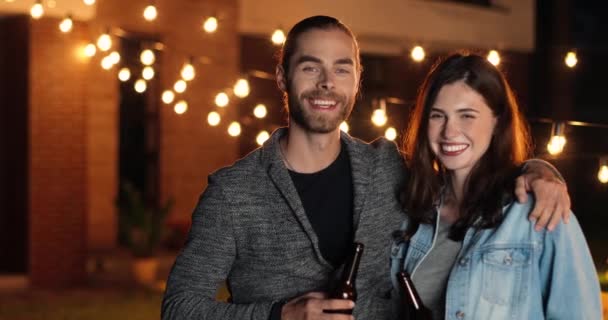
(318, 122)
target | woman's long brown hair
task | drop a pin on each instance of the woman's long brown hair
(494, 175)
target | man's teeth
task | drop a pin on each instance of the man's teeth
(323, 103)
(453, 148)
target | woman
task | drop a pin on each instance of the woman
(468, 245)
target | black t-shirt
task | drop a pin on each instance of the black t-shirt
(327, 197)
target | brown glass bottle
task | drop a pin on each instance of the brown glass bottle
(346, 288)
(412, 307)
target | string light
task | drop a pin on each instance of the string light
(558, 140)
(115, 57)
(571, 60)
(90, 50)
(124, 74)
(66, 24)
(168, 97)
(494, 57)
(390, 133)
(180, 86)
(278, 37)
(602, 174)
(213, 118)
(141, 86)
(210, 24)
(104, 42)
(241, 88)
(222, 100)
(260, 111)
(148, 73)
(150, 12)
(418, 53)
(89, 2)
(188, 73)
(262, 137)
(37, 10)
(107, 63)
(147, 57)
(234, 129)
(344, 127)
(181, 107)
(379, 117)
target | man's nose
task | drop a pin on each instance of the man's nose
(326, 80)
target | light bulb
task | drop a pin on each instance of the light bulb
(602, 174)
(210, 25)
(241, 88)
(181, 107)
(168, 96)
(147, 73)
(278, 37)
(494, 57)
(344, 126)
(107, 63)
(418, 53)
(89, 2)
(234, 129)
(571, 60)
(260, 111)
(213, 118)
(90, 50)
(150, 13)
(66, 24)
(222, 100)
(104, 42)
(391, 133)
(379, 117)
(147, 57)
(180, 86)
(262, 137)
(115, 57)
(188, 73)
(141, 86)
(124, 74)
(37, 10)
(556, 145)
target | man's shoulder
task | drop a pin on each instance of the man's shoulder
(245, 167)
(380, 148)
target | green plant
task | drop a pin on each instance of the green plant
(143, 225)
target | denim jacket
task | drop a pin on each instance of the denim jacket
(512, 271)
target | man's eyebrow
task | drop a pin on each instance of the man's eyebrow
(345, 61)
(306, 58)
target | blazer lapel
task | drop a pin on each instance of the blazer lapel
(361, 167)
(282, 180)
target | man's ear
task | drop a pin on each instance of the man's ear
(281, 78)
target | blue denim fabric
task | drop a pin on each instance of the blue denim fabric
(512, 271)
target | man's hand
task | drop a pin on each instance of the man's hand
(311, 305)
(552, 199)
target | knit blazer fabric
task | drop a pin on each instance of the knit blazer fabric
(250, 228)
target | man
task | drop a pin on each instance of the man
(277, 224)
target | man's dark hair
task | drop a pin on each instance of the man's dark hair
(315, 22)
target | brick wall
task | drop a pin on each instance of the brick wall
(57, 128)
(189, 148)
(73, 127)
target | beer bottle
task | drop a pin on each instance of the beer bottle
(412, 308)
(346, 288)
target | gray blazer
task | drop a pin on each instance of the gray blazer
(250, 228)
